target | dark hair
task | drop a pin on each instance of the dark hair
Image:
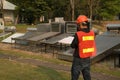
(84, 23)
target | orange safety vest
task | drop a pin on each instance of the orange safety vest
(87, 47)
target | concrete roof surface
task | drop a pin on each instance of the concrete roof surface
(8, 6)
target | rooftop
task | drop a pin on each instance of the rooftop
(8, 6)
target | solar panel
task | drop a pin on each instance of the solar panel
(57, 27)
(29, 34)
(111, 33)
(105, 45)
(66, 40)
(113, 27)
(71, 27)
(9, 39)
(43, 27)
(55, 39)
(43, 36)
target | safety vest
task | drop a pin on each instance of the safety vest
(87, 47)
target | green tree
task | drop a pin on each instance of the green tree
(107, 9)
(58, 8)
(31, 10)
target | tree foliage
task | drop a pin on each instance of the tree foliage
(109, 9)
(31, 10)
(96, 9)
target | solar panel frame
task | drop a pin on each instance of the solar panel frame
(71, 27)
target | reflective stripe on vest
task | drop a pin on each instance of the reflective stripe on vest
(85, 38)
(87, 50)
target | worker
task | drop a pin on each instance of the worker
(84, 46)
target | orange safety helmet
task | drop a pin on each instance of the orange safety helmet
(81, 18)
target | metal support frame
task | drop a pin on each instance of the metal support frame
(117, 58)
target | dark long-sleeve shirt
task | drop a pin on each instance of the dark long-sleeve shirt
(75, 43)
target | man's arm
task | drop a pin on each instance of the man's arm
(74, 43)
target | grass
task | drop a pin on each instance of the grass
(11, 70)
(105, 69)
(2, 38)
(23, 27)
(1, 31)
(33, 56)
(100, 28)
(24, 70)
